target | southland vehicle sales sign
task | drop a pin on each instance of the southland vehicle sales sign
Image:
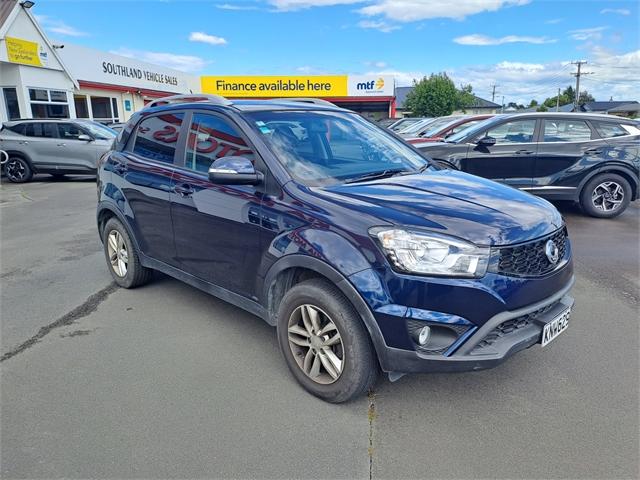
(89, 65)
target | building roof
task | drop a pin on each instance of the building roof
(605, 106)
(627, 107)
(6, 7)
(402, 92)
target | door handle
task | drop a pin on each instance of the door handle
(62, 144)
(23, 142)
(594, 151)
(119, 168)
(184, 190)
(524, 152)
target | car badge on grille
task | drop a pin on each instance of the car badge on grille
(552, 252)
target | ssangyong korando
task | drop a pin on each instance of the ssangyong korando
(362, 253)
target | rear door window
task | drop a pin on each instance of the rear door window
(566, 131)
(69, 131)
(40, 130)
(157, 137)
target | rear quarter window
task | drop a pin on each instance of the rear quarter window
(610, 129)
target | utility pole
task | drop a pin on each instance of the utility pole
(493, 92)
(558, 101)
(579, 64)
(502, 110)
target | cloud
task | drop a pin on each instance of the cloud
(414, 10)
(594, 33)
(56, 26)
(613, 76)
(376, 64)
(553, 21)
(185, 63)
(483, 40)
(617, 11)
(291, 5)
(206, 38)
(233, 6)
(377, 25)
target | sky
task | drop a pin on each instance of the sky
(525, 47)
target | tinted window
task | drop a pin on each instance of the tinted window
(519, 131)
(49, 110)
(11, 102)
(609, 130)
(212, 137)
(69, 131)
(39, 95)
(156, 137)
(566, 131)
(19, 128)
(42, 130)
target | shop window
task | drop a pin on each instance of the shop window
(104, 109)
(11, 103)
(48, 103)
(82, 109)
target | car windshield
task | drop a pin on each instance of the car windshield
(416, 127)
(471, 131)
(100, 131)
(404, 123)
(325, 148)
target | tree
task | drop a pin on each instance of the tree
(517, 106)
(542, 108)
(533, 103)
(437, 96)
(585, 97)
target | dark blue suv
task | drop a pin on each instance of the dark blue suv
(363, 254)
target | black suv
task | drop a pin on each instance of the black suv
(588, 158)
(365, 255)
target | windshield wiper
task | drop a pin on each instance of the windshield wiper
(375, 175)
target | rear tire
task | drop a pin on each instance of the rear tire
(122, 257)
(329, 352)
(18, 170)
(605, 196)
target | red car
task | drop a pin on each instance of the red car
(438, 131)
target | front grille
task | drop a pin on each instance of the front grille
(510, 326)
(529, 259)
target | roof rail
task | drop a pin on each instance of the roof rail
(189, 98)
(316, 101)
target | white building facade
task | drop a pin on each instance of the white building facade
(39, 79)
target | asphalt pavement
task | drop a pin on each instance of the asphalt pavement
(165, 381)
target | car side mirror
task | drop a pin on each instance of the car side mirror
(486, 141)
(234, 171)
(85, 138)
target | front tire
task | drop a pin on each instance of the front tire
(605, 196)
(18, 170)
(122, 256)
(324, 342)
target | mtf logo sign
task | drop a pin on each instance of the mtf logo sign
(361, 85)
(373, 84)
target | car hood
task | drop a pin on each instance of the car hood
(455, 203)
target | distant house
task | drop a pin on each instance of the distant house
(480, 105)
(623, 108)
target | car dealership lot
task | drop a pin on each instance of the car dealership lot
(166, 381)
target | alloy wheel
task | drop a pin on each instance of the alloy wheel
(316, 344)
(15, 169)
(118, 254)
(607, 196)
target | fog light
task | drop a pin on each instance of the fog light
(422, 336)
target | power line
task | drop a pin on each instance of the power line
(578, 74)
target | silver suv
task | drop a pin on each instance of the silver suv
(56, 147)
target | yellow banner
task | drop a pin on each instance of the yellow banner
(23, 51)
(276, 86)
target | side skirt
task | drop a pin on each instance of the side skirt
(219, 292)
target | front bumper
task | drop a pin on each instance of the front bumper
(486, 347)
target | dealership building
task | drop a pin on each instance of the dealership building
(39, 79)
(373, 96)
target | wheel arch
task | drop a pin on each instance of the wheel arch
(296, 268)
(105, 213)
(23, 156)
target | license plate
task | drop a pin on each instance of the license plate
(555, 327)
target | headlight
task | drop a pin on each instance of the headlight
(432, 254)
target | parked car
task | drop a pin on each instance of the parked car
(117, 127)
(588, 158)
(403, 123)
(56, 147)
(420, 129)
(438, 132)
(362, 253)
